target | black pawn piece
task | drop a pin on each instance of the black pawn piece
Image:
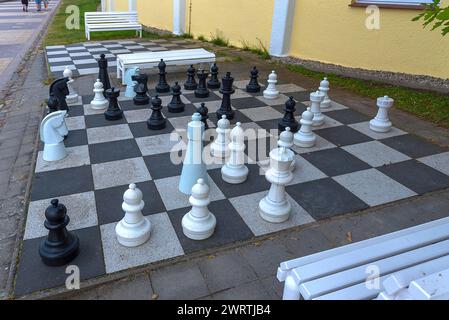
(213, 82)
(202, 110)
(141, 97)
(289, 117)
(113, 112)
(60, 246)
(191, 84)
(162, 85)
(176, 105)
(141, 78)
(202, 91)
(253, 85)
(156, 120)
(103, 73)
(52, 103)
(226, 90)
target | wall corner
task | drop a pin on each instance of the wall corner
(179, 17)
(281, 28)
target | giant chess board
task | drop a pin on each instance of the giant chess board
(351, 168)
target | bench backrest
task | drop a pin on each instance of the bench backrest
(166, 55)
(96, 17)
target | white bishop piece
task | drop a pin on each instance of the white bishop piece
(235, 171)
(199, 223)
(286, 141)
(134, 229)
(271, 92)
(324, 89)
(99, 102)
(381, 123)
(219, 148)
(305, 138)
(316, 98)
(72, 97)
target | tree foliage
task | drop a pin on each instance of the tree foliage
(436, 15)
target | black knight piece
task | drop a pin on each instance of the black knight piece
(113, 112)
(191, 84)
(103, 73)
(213, 82)
(289, 117)
(203, 111)
(141, 78)
(156, 120)
(141, 97)
(60, 90)
(176, 105)
(162, 85)
(226, 90)
(52, 103)
(202, 91)
(60, 246)
(253, 85)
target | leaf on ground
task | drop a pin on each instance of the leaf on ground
(211, 257)
(154, 296)
(349, 236)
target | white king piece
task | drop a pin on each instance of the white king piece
(381, 123)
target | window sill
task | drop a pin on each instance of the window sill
(388, 6)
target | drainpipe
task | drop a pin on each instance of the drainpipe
(179, 17)
(281, 28)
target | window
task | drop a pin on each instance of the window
(413, 4)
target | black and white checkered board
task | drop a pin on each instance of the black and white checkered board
(82, 58)
(350, 169)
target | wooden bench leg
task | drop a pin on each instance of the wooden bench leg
(291, 289)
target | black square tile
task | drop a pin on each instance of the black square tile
(300, 96)
(191, 97)
(33, 275)
(335, 161)
(413, 146)
(152, 93)
(260, 148)
(75, 111)
(127, 105)
(325, 198)
(161, 166)
(342, 135)
(87, 98)
(114, 150)
(238, 117)
(189, 110)
(245, 103)
(51, 184)
(347, 116)
(76, 138)
(98, 120)
(140, 129)
(89, 66)
(416, 176)
(230, 227)
(109, 202)
(300, 108)
(270, 125)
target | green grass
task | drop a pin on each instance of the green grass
(260, 50)
(426, 105)
(218, 39)
(202, 38)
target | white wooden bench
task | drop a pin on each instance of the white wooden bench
(111, 21)
(171, 57)
(341, 273)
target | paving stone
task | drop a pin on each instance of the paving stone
(6, 249)
(8, 227)
(137, 288)
(273, 287)
(306, 241)
(248, 291)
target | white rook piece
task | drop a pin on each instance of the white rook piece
(286, 141)
(134, 229)
(381, 123)
(324, 89)
(305, 138)
(72, 97)
(235, 171)
(219, 148)
(316, 98)
(52, 132)
(275, 207)
(99, 102)
(199, 223)
(271, 92)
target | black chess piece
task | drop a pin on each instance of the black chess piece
(202, 91)
(191, 84)
(253, 85)
(289, 117)
(213, 82)
(103, 73)
(156, 120)
(162, 85)
(176, 105)
(141, 97)
(113, 112)
(141, 78)
(60, 90)
(52, 103)
(226, 90)
(60, 246)
(203, 111)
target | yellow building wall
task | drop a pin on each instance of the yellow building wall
(156, 13)
(331, 31)
(120, 5)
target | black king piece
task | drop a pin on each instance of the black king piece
(226, 90)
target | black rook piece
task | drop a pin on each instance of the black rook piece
(162, 85)
(213, 83)
(289, 117)
(156, 120)
(141, 96)
(253, 85)
(191, 84)
(202, 110)
(60, 90)
(52, 103)
(176, 105)
(202, 91)
(103, 73)
(226, 90)
(60, 246)
(113, 112)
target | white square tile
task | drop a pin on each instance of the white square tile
(54, 53)
(89, 111)
(261, 113)
(140, 115)
(79, 54)
(363, 127)
(282, 99)
(55, 47)
(78, 102)
(83, 72)
(75, 123)
(333, 107)
(181, 123)
(163, 143)
(321, 144)
(167, 99)
(76, 157)
(439, 162)
(376, 154)
(62, 59)
(75, 48)
(62, 68)
(109, 133)
(241, 84)
(287, 88)
(84, 61)
(120, 51)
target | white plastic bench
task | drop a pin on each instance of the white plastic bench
(171, 57)
(111, 21)
(341, 273)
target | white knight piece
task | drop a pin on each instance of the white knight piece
(52, 132)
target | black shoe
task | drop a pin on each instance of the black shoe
(23, 9)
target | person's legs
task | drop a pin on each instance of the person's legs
(46, 4)
(38, 5)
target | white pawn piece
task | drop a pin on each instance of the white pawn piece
(199, 223)
(72, 97)
(275, 207)
(324, 89)
(286, 141)
(316, 98)
(219, 148)
(134, 229)
(381, 123)
(52, 132)
(235, 171)
(99, 102)
(271, 92)
(305, 138)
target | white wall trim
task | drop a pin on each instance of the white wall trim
(179, 17)
(111, 6)
(103, 5)
(281, 28)
(132, 5)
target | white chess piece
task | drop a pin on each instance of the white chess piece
(72, 97)
(199, 223)
(286, 141)
(275, 207)
(316, 98)
(134, 229)
(381, 123)
(99, 102)
(52, 132)
(305, 138)
(271, 92)
(219, 148)
(324, 89)
(235, 171)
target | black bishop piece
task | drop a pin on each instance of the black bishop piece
(226, 90)
(203, 111)
(176, 105)
(202, 91)
(213, 82)
(253, 85)
(113, 112)
(156, 120)
(162, 85)
(191, 84)
(103, 73)
(60, 246)
(289, 117)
